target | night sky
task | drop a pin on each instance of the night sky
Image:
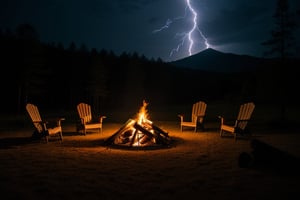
(233, 26)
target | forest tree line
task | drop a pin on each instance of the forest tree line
(56, 77)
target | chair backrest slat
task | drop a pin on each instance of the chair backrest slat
(33, 112)
(245, 113)
(35, 116)
(199, 108)
(84, 111)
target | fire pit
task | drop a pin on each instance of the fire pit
(139, 132)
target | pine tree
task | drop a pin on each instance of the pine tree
(281, 46)
(282, 39)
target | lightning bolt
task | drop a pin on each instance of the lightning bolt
(195, 27)
(187, 36)
(168, 22)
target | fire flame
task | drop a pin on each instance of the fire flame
(140, 132)
(143, 116)
(142, 119)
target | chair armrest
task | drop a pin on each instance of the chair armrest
(228, 122)
(221, 119)
(56, 120)
(101, 118)
(181, 117)
(199, 118)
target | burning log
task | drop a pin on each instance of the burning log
(139, 133)
(159, 135)
(124, 129)
(134, 134)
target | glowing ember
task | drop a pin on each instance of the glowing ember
(140, 132)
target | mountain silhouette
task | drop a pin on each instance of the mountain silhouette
(216, 61)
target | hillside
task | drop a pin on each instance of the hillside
(213, 60)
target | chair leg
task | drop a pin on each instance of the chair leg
(202, 127)
(61, 136)
(47, 138)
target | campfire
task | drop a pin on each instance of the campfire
(139, 132)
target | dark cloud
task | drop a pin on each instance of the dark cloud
(130, 6)
(127, 25)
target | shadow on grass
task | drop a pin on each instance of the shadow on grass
(83, 143)
(92, 143)
(12, 142)
(174, 141)
(72, 133)
(267, 158)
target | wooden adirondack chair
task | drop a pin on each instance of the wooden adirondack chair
(44, 129)
(86, 119)
(197, 118)
(241, 121)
